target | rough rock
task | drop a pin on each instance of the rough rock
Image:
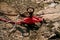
(5, 8)
(50, 12)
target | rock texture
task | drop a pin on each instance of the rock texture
(48, 9)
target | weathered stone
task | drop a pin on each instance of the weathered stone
(48, 12)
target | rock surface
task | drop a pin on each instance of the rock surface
(50, 12)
